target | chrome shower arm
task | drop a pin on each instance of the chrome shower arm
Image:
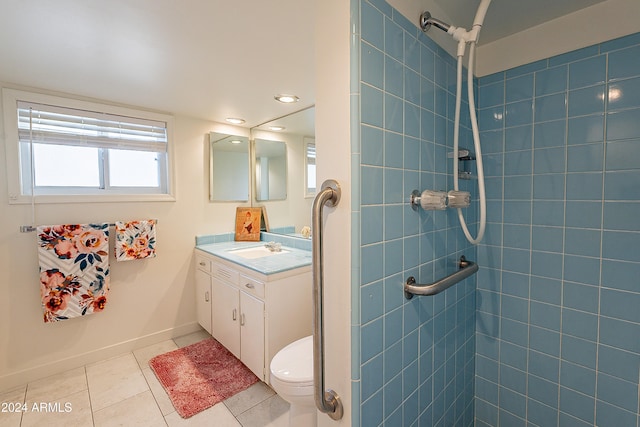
(426, 21)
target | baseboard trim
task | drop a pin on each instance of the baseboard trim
(19, 378)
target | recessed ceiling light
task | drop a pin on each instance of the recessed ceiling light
(287, 99)
(235, 121)
(276, 128)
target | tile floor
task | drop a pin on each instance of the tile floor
(123, 391)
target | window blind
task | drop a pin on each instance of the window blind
(311, 154)
(47, 124)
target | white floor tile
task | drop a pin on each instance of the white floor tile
(71, 411)
(273, 412)
(14, 395)
(192, 338)
(218, 416)
(57, 386)
(249, 398)
(120, 393)
(114, 380)
(145, 354)
(159, 393)
(139, 410)
(14, 399)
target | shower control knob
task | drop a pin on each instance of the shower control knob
(458, 199)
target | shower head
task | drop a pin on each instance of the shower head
(426, 21)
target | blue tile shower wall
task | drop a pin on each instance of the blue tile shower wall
(413, 359)
(558, 300)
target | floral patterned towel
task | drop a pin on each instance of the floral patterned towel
(135, 240)
(74, 269)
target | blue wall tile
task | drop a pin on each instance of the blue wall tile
(550, 134)
(624, 63)
(519, 88)
(579, 229)
(372, 66)
(578, 378)
(491, 95)
(583, 130)
(406, 114)
(623, 124)
(624, 94)
(611, 416)
(548, 334)
(519, 113)
(372, 143)
(551, 80)
(551, 107)
(586, 101)
(588, 72)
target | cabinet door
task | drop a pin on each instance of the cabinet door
(226, 315)
(203, 299)
(252, 333)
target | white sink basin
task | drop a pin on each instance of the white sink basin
(256, 252)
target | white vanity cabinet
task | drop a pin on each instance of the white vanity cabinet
(203, 292)
(253, 315)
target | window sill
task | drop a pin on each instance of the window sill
(88, 198)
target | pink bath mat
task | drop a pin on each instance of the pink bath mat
(198, 376)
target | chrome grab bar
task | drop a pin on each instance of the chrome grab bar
(327, 401)
(466, 269)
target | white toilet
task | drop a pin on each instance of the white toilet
(292, 379)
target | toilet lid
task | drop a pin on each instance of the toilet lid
(294, 363)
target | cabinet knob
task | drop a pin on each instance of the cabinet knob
(234, 314)
(242, 319)
(202, 263)
(206, 296)
(250, 285)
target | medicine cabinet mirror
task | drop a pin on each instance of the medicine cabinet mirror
(287, 145)
(228, 168)
(270, 159)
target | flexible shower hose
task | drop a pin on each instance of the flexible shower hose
(476, 144)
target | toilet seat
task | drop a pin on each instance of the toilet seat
(293, 365)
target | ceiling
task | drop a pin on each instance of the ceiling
(507, 17)
(209, 59)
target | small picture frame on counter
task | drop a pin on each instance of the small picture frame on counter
(248, 222)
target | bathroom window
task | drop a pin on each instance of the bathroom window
(310, 167)
(69, 150)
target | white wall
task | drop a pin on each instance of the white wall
(601, 22)
(596, 24)
(150, 300)
(333, 151)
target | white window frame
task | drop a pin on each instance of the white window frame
(10, 98)
(308, 193)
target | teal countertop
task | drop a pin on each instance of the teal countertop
(290, 260)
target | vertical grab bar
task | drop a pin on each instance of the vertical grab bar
(327, 401)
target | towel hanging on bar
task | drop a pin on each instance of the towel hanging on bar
(74, 269)
(135, 239)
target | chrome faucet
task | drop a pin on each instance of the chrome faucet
(273, 246)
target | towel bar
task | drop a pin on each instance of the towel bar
(31, 228)
(466, 269)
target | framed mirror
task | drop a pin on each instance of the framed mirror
(228, 168)
(270, 160)
(289, 202)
